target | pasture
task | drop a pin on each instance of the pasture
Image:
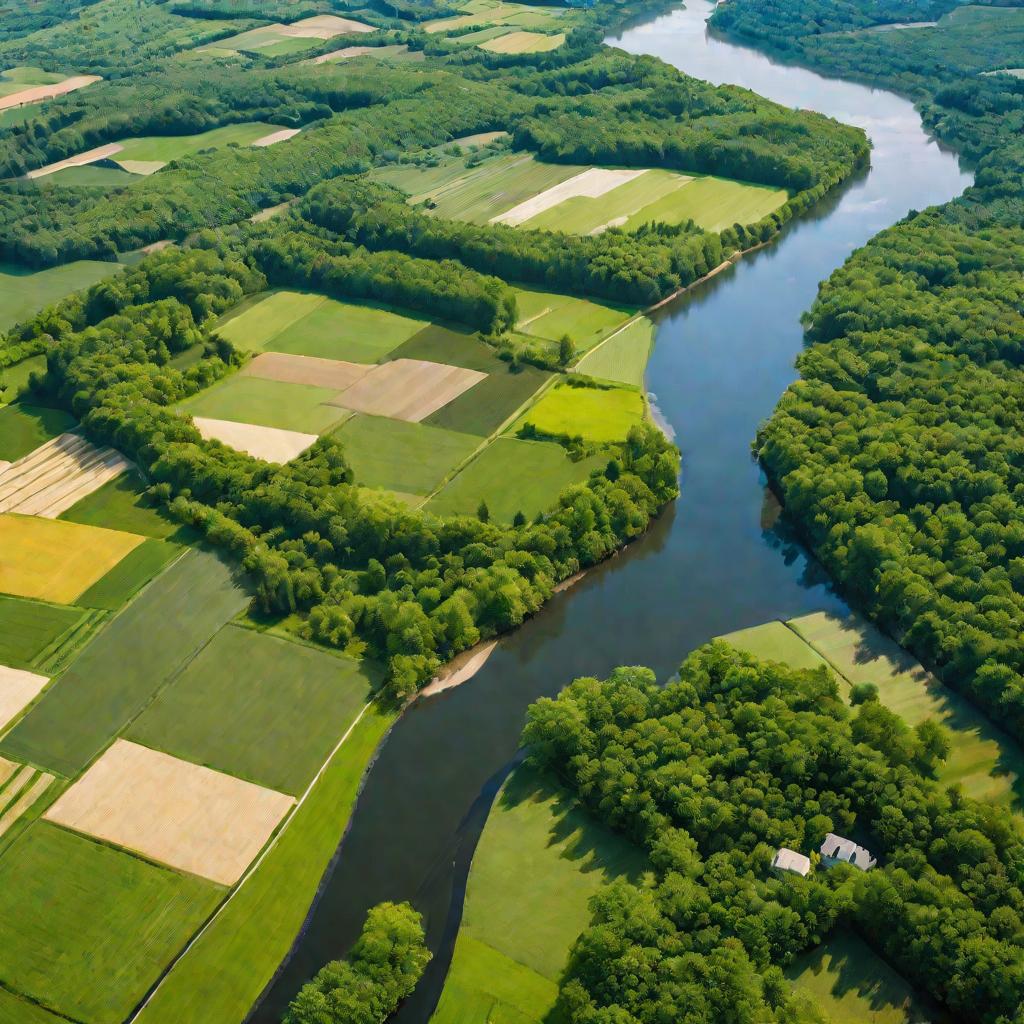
(29, 629)
(14, 378)
(457, 348)
(258, 707)
(147, 154)
(539, 860)
(623, 357)
(121, 504)
(550, 315)
(77, 925)
(602, 414)
(513, 476)
(130, 575)
(105, 178)
(171, 811)
(51, 560)
(24, 292)
(485, 407)
(412, 458)
(524, 42)
(775, 641)
(24, 428)
(269, 443)
(122, 668)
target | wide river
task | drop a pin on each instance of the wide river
(711, 564)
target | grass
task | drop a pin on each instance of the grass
(513, 476)
(539, 861)
(550, 315)
(174, 147)
(30, 628)
(121, 504)
(220, 977)
(852, 985)
(23, 293)
(50, 560)
(597, 414)
(91, 176)
(15, 79)
(124, 666)
(623, 357)
(13, 378)
(132, 573)
(775, 641)
(484, 407)
(441, 345)
(986, 762)
(23, 428)
(399, 456)
(306, 324)
(256, 706)
(15, 1010)
(524, 42)
(78, 927)
(713, 204)
(268, 403)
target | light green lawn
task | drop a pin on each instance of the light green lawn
(23, 428)
(219, 978)
(550, 315)
(77, 923)
(120, 504)
(15, 79)
(255, 322)
(713, 204)
(775, 641)
(623, 357)
(15, 1010)
(23, 293)
(411, 458)
(513, 476)
(597, 414)
(268, 403)
(539, 861)
(438, 344)
(173, 147)
(14, 378)
(523, 41)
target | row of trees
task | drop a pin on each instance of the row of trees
(716, 770)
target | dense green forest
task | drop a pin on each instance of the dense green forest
(716, 770)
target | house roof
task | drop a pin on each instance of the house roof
(790, 860)
(839, 848)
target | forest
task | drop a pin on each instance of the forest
(711, 774)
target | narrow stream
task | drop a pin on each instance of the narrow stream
(711, 564)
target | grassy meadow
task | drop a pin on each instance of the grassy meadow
(162, 149)
(550, 315)
(121, 504)
(29, 629)
(487, 405)
(622, 357)
(23, 292)
(538, 862)
(23, 428)
(133, 572)
(602, 414)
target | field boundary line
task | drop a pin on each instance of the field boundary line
(252, 869)
(29, 1001)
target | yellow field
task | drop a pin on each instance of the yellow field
(524, 42)
(53, 560)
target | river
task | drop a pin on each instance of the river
(712, 563)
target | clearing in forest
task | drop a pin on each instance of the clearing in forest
(186, 816)
(268, 443)
(24, 292)
(52, 560)
(550, 315)
(80, 160)
(594, 413)
(279, 39)
(348, 52)
(592, 183)
(19, 86)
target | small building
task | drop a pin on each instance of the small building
(790, 860)
(837, 850)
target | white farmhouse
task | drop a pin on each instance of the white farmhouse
(837, 850)
(790, 860)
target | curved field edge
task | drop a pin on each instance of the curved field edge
(226, 968)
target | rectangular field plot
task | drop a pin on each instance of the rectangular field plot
(334, 374)
(775, 641)
(408, 389)
(269, 443)
(18, 689)
(312, 325)
(278, 39)
(149, 154)
(259, 707)
(623, 357)
(78, 925)
(132, 573)
(410, 458)
(23, 428)
(597, 414)
(23, 292)
(513, 476)
(524, 42)
(56, 561)
(124, 666)
(485, 407)
(121, 504)
(550, 315)
(457, 348)
(587, 187)
(186, 816)
(266, 403)
(49, 480)
(30, 628)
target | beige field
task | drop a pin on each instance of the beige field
(590, 184)
(49, 480)
(323, 26)
(343, 54)
(408, 389)
(18, 689)
(36, 93)
(90, 156)
(291, 369)
(269, 443)
(7, 769)
(281, 135)
(174, 812)
(143, 167)
(524, 42)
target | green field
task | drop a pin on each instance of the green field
(132, 573)
(23, 292)
(120, 504)
(91, 176)
(513, 476)
(442, 345)
(173, 147)
(408, 457)
(23, 428)
(13, 378)
(15, 79)
(485, 406)
(551, 315)
(539, 861)
(596, 414)
(852, 985)
(268, 403)
(123, 667)
(220, 977)
(306, 324)
(256, 706)
(775, 641)
(15, 1010)
(30, 628)
(78, 926)
(524, 42)
(623, 357)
